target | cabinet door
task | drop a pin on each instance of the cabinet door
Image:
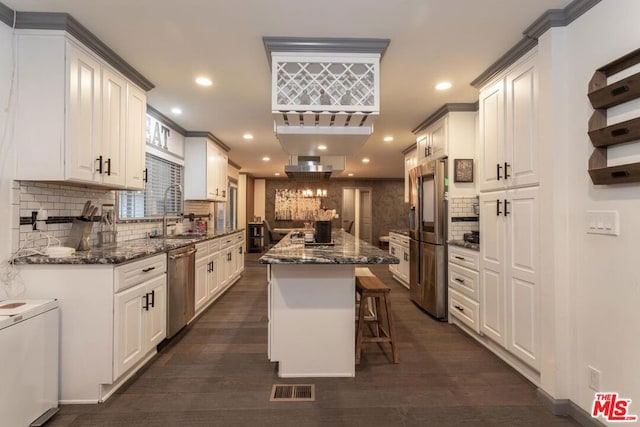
(156, 316)
(135, 137)
(492, 265)
(114, 108)
(222, 177)
(240, 258)
(491, 145)
(203, 269)
(521, 149)
(439, 138)
(213, 281)
(410, 161)
(213, 189)
(522, 274)
(129, 335)
(404, 264)
(83, 118)
(423, 147)
(394, 250)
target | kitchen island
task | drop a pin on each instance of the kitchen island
(312, 304)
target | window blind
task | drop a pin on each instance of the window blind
(161, 174)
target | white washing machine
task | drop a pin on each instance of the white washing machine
(29, 351)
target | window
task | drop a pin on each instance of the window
(148, 203)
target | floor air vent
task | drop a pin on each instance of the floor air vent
(293, 393)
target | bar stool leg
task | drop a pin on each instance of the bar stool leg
(360, 327)
(392, 329)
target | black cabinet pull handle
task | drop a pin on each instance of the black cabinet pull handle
(459, 308)
(506, 207)
(425, 152)
(145, 175)
(153, 298)
(459, 257)
(459, 280)
(145, 305)
(506, 171)
(224, 193)
(148, 269)
(619, 132)
(619, 90)
(240, 250)
(619, 174)
(498, 167)
(498, 213)
(108, 162)
(99, 169)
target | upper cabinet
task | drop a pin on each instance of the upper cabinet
(77, 119)
(205, 172)
(410, 162)
(508, 140)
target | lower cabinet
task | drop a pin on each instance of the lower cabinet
(464, 289)
(141, 322)
(112, 318)
(219, 263)
(399, 248)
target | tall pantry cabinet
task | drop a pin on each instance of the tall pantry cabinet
(509, 211)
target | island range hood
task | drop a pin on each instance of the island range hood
(309, 168)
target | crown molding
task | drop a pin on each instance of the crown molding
(443, 111)
(66, 22)
(207, 134)
(6, 14)
(324, 45)
(165, 120)
(549, 19)
(234, 164)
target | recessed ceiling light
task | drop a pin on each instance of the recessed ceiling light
(266, 159)
(322, 147)
(365, 160)
(247, 136)
(277, 174)
(350, 174)
(203, 81)
(176, 110)
(443, 86)
(388, 138)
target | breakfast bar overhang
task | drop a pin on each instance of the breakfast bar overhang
(311, 304)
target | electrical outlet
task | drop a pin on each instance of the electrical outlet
(594, 378)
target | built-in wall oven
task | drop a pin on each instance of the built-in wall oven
(428, 230)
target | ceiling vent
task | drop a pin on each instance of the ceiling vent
(324, 90)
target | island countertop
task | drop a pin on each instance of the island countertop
(346, 250)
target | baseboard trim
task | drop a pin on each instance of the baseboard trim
(565, 407)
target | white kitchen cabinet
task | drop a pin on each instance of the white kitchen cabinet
(509, 271)
(399, 247)
(464, 287)
(205, 173)
(106, 334)
(203, 268)
(135, 137)
(140, 316)
(508, 142)
(72, 116)
(410, 162)
(213, 283)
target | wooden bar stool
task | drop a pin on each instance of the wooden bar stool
(372, 287)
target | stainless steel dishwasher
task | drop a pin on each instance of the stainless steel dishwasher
(180, 288)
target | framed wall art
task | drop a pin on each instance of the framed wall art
(463, 170)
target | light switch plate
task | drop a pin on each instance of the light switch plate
(603, 222)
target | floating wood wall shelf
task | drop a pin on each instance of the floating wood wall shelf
(603, 96)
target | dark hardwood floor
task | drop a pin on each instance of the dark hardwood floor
(216, 372)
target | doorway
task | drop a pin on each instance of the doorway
(356, 212)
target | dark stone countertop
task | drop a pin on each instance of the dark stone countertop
(463, 244)
(347, 250)
(124, 251)
(403, 231)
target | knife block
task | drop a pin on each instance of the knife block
(80, 235)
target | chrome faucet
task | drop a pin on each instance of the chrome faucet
(164, 214)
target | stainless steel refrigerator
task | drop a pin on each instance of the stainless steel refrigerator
(428, 230)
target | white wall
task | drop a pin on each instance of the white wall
(7, 154)
(591, 288)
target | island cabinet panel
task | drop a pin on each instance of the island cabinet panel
(311, 320)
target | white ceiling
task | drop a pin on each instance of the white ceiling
(170, 42)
